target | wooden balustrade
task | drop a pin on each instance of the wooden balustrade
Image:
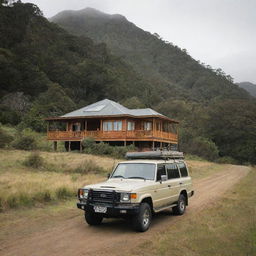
(104, 135)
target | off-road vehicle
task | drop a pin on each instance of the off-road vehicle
(148, 183)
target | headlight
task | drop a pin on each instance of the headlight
(125, 197)
(83, 193)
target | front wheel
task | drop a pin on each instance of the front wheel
(93, 218)
(142, 220)
(181, 206)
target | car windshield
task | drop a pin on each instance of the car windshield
(135, 171)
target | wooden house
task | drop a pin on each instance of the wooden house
(108, 121)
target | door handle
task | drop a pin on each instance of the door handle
(181, 183)
(169, 186)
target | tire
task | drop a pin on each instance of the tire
(142, 221)
(181, 206)
(92, 218)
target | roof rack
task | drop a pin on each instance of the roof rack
(160, 154)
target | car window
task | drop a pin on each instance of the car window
(183, 170)
(172, 171)
(160, 171)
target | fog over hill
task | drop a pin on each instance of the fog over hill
(249, 87)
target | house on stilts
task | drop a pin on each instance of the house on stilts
(110, 122)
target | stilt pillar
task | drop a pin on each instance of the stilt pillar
(55, 145)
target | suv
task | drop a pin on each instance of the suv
(138, 188)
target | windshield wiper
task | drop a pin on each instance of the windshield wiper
(118, 176)
(135, 177)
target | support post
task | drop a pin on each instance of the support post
(161, 145)
(125, 143)
(55, 145)
(69, 146)
(153, 145)
(81, 148)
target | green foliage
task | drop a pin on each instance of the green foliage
(34, 160)
(88, 166)
(5, 138)
(25, 140)
(202, 147)
(64, 193)
(42, 78)
(91, 147)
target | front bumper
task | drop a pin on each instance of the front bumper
(112, 210)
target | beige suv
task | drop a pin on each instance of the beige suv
(138, 188)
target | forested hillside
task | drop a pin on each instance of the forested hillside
(45, 71)
(249, 87)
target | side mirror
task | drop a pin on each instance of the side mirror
(108, 176)
(163, 177)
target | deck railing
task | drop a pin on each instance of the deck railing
(111, 135)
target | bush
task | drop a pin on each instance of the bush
(226, 160)
(88, 166)
(25, 142)
(64, 193)
(202, 147)
(5, 138)
(91, 147)
(34, 160)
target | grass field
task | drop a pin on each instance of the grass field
(59, 176)
(226, 228)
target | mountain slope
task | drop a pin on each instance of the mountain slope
(45, 71)
(155, 59)
(249, 87)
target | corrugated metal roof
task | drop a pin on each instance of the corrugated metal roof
(110, 108)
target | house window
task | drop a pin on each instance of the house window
(117, 125)
(107, 126)
(76, 127)
(130, 126)
(112, 126)
(147, 126)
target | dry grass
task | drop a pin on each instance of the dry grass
(59, 176)
(26, 186)
(226, 228)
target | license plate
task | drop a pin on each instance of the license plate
(100, 209)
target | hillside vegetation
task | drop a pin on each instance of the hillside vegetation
(45, 71)
(249, 87)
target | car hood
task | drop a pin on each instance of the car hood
(121, 184)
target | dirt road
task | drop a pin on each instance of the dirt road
(115, 237)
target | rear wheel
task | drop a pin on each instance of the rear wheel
(92, 218)
(142, 220)
(181, 206)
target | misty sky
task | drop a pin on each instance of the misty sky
(221, 33)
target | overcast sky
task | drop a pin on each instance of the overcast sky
(221, 33)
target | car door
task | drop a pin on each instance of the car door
(185, 180)
(161, 191)
(173, 182)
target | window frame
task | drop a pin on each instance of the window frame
(177, 170)
(157, 171)
(180, 170)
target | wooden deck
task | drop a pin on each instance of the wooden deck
(136, 135)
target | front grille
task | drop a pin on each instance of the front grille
(103, 196)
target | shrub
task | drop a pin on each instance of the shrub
(202, 147)
(88, 166)
(42, 196)
(90, 147)
(5, 138)
(34, 160)
(226, 160)
(64, 193)
(25, 142)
